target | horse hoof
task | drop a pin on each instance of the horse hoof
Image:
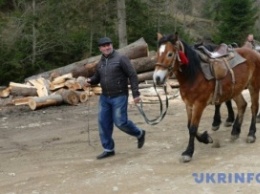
(250, 139)
(215, 128)
(185, 158)
(234, 137)
(210, 140)
(228, 124)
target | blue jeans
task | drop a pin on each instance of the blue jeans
(113, 110)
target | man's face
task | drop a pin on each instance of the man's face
(250, 38)
(106, 49)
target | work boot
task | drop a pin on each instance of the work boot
(141, 140)
(105, 155)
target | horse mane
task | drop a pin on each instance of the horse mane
(191, 70)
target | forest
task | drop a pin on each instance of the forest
(40, 35)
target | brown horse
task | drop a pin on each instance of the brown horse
(197, 92)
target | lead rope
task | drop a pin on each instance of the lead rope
(162, 114)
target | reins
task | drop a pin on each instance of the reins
(162, 113)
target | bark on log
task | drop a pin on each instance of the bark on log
(145, 76)
(134, 50)
(18, 89)
(144, 64)
(45, 101)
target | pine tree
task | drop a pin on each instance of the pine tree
(236, 19)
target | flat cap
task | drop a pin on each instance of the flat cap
(104, 40)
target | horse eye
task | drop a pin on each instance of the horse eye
(170, 54)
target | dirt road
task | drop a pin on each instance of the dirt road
(53, 151)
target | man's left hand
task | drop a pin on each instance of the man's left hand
(137, 100)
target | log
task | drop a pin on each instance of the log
(5, 92)
(62, 78)
(86, 70)
(68, 96)
(134, 50)
(144, 64)
(81, 80)
(41, 85)
(145, 76)
(45, 101)
(21, 101)
(56, 86)
(141, 64)
(72, 84)
(97, 90)
(18, 89)
(83, 95)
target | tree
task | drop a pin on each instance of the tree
(236, 19)
(121, 17)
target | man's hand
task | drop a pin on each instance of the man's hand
(87, 82)
(137, 100)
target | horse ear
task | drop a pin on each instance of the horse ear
(159, 36)
(176, 36)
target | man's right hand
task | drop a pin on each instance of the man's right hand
(87, 82)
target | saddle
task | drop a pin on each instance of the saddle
(218, 60)
(219, 65)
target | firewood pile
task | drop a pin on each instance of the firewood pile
(65, 85)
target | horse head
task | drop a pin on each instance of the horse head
(175, 56)
(169, 57)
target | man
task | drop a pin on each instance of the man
(113, 72)
(250, 40)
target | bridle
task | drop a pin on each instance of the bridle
(170, 70)
(178, 47)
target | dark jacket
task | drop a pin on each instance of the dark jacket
(113, 73)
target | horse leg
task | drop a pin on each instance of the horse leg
(194, 116)
(254, 109)
(231, 114)
(217, 118)
(258, 118)
(241, 108)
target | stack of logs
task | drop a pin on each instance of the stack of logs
(66, 84)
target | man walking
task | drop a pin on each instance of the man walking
(113, 73)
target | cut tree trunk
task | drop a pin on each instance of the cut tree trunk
(5, 92)
(83, 95)
(141, 64)
(145, 76)
(18, 89)
(144, 64)
(68, 96)
(45, 101)
(21, 101)
(134, 50)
